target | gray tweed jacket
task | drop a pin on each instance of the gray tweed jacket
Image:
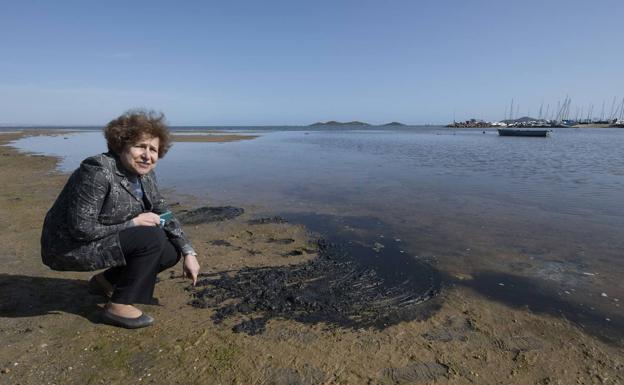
(81, 230)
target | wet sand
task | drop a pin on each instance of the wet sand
(50, 331)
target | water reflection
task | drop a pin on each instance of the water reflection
(475, 202)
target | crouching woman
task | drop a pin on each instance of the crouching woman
(108, 216)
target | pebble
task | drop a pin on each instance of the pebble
(378, 246)
(604, 294)
(567, 292)
(5, 370)
(501, 284)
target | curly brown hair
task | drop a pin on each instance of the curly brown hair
(135, 124)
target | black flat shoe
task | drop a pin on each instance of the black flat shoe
(126, 322)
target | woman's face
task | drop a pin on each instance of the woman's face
(141, 157)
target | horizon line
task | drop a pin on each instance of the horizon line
(5, 125)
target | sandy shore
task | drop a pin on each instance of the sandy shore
(51, 335)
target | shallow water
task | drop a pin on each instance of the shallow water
(548, 211)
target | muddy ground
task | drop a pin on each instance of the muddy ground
(51, 335)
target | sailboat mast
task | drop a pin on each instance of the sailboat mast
(611, 113)
(511, 110)
(581, 113)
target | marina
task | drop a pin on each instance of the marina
(560, 118)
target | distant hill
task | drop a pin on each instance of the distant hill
(392, 124)
(523, 119)
(335, 123)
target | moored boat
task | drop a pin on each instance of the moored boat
(515, 132)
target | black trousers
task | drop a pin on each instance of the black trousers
(147, 251)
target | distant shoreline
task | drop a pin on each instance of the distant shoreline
(198, 133)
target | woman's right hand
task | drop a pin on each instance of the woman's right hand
(146, 219)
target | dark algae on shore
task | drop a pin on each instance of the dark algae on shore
(483, 333)
(209, 214)
(349, 284)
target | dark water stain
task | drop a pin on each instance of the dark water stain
(293, 253)
(363, 240)
(351, 283)
(541, 296)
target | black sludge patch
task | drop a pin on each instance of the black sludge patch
(209, 214)
(220, 242)
(283, 241)
(348, 285)
(264, 221)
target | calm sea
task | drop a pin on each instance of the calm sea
(543, 213)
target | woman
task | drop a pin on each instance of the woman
(108, 215)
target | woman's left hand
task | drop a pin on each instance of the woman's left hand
(190, 267)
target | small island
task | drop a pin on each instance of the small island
(394, 124)
(355, 123)
(340, 124)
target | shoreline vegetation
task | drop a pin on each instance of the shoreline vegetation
(51, 334)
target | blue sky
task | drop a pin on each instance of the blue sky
(295, 62)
